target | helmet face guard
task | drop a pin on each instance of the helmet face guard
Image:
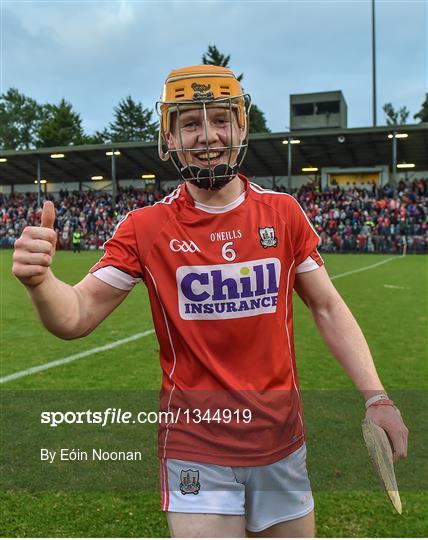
(201, 88)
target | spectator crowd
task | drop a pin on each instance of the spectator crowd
(368, 220)
(92, 213)
(351, 219)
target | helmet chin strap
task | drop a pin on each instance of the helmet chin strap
(211, 179)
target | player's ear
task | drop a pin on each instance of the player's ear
(242, 129)
(169, 136)
(243, 133)
(169, 140)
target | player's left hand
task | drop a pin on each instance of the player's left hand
(389, 418)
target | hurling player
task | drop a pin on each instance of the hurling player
(220, 258)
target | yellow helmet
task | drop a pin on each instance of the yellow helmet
(203, 86)
(201, 83)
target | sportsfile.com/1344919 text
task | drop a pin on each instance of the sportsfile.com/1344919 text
(112, 415)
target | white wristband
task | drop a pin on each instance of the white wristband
(375, 398)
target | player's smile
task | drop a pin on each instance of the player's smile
(209, 159)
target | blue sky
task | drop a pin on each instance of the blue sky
(95, 53)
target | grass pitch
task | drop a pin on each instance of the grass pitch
(389, 302)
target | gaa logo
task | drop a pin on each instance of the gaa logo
(185, 247)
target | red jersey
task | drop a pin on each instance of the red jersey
(220, 282)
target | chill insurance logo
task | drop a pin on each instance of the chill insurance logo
(228, 291)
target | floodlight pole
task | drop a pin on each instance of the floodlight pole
(289, 166)
(39, 186)
(113, 177)
(374, 61)
(394, 162)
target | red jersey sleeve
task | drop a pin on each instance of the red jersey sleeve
(303, 235)
(120, 265)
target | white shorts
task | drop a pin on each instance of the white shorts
(266, 495)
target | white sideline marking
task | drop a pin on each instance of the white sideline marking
(364, 268)
(395, 287)
(73, 357)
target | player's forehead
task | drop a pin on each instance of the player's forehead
(198, 112)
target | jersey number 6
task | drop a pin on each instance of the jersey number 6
(227, 252)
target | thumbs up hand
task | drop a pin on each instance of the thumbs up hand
(35, 249)
(48, 215)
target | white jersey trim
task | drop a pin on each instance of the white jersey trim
(168, 199)
(220, 209)
(116, 278)
(124, 218)
(174, 364)
(307, 266)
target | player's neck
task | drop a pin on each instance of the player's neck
(226, 195)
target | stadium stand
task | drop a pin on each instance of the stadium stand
(352, 219)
